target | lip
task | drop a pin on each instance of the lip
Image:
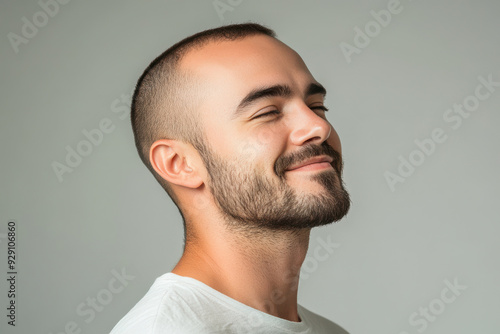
(318, 162)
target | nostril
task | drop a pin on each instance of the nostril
(312, 139)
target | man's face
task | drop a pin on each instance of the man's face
(262, 114)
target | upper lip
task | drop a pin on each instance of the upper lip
(322, 158)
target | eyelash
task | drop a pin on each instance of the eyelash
(276, 112)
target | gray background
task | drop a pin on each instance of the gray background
(395, 249)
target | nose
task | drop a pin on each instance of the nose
(308, 127)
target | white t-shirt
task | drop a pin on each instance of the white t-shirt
(180, 305)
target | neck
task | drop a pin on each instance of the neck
(260, 270)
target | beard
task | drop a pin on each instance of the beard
(251, 201)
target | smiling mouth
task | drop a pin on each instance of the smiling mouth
(312, 167)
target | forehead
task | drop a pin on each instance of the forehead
(228, 70)
(233, 52)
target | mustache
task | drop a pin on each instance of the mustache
(310, 151)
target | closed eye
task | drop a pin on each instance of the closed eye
(277, 112)
(320, 108)
(272, 112)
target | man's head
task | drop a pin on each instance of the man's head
(163, 105)
(226, 114)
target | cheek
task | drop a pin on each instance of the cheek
(255, 149)
(267, 136)
(263, 146)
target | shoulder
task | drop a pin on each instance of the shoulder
(164, 309)
(318, 323)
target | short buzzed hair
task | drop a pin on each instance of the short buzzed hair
(161, 108)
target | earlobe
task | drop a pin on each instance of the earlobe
(169, 160)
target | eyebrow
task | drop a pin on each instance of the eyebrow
(275, 90)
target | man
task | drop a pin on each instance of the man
(232, 125)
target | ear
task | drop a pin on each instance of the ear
(176, 162)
